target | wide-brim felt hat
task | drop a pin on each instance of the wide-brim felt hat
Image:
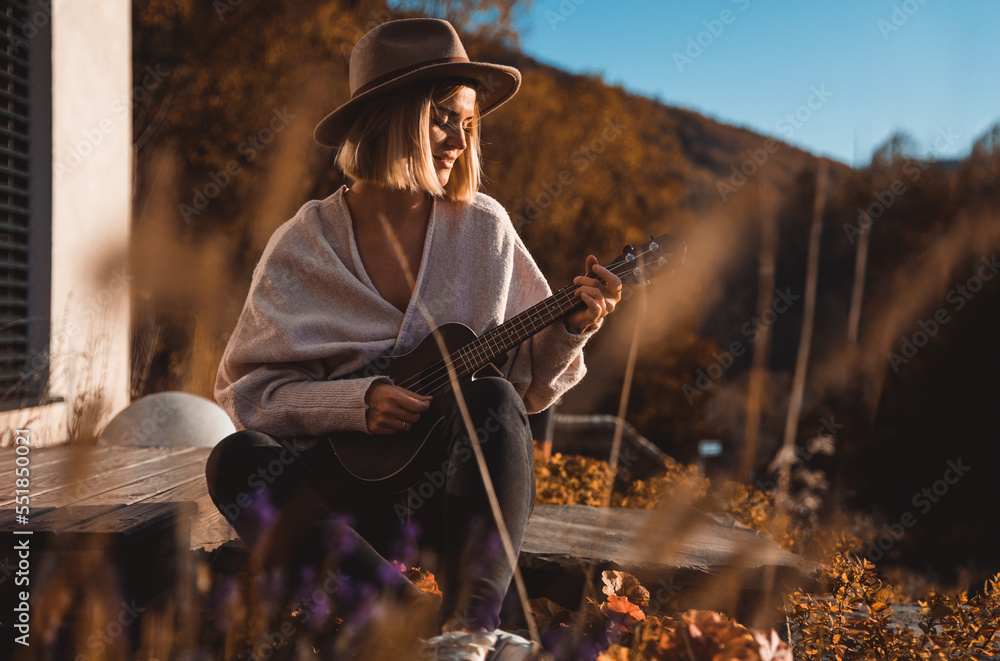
(398, 53)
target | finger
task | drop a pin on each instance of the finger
(397, 414)
(415, 395)
(609, 282)
(403, 423)
(392, 424)
(589, 268)
(602, 304)
(584, 282)
(411, 401)
(382, 427)
(411, 393)
(409, 405)
(593, 293)
(614, 283)
(593, 306)
(388, 415)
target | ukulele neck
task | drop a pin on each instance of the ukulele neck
(515, 330)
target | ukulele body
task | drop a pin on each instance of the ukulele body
(395, 462)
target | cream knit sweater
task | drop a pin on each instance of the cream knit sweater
(313, 315)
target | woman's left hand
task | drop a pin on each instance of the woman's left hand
(601, 299)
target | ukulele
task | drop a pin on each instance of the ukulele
(394, 462)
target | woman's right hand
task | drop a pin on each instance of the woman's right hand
(393, 409)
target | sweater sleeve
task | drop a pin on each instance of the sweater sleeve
(288, 401)
(280, 372)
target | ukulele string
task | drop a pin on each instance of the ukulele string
(439, 376)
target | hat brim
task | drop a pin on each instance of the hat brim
(497, 83)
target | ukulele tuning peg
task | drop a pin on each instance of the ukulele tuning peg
(629, 251)
(653, 245)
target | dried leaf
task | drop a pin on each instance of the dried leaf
(623, 584)
(424, 580)
(548, 614)
(620, 609)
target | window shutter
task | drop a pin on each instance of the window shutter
(16, 380)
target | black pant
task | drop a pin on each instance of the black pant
(295, 505)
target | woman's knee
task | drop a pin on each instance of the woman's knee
(233, 456)
(493, 400)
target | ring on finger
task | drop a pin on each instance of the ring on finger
(406, 425)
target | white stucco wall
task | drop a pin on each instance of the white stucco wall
(91, 188)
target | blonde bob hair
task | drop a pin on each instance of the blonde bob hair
(389, 143)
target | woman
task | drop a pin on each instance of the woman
(369, 272)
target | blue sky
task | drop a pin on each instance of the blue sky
(836, 77)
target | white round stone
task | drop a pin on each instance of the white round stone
(172, 419)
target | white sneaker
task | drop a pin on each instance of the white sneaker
(511, 647)
(458, 646)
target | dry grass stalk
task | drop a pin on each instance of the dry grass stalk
(786, 453)
(86, 385)
(762, 348)
(145, 344)
(858, 287)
